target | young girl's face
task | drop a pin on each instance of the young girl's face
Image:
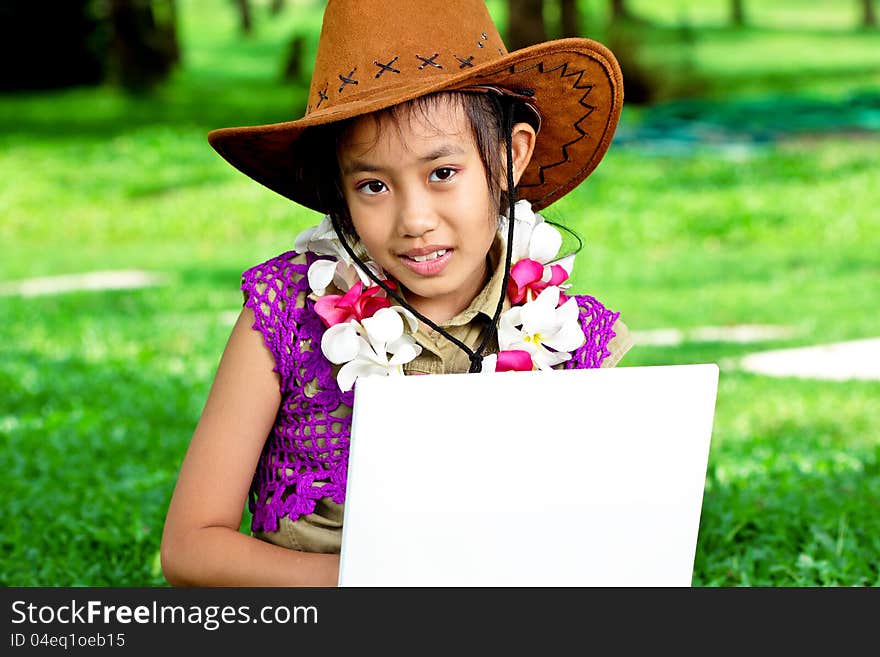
(420, 203)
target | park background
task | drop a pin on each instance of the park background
(735, 212)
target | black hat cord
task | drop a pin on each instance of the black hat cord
(475, 357)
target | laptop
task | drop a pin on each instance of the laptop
(559, 478)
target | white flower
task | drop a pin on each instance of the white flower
(539, 324)
(363, 348)
(323, 272)
(535, 239)
(342, 272)
(321, 240)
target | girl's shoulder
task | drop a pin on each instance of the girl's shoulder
(278, 286)
(276, 291)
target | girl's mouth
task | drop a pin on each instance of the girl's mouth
(428, 264)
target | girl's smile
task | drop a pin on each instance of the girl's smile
(427, 261)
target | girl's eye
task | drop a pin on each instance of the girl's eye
(372, 187)
(441, 174)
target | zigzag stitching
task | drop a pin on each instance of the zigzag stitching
(591, 108)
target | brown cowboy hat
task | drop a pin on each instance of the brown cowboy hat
(373, 54)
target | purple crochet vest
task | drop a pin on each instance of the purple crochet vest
(292, 461)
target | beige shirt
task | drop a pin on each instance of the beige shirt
(321, 531)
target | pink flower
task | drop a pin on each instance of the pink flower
(510, 360)
(356, 304)
(514, 360)
(528, 278)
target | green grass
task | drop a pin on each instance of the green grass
(101, 391)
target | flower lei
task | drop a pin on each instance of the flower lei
(368, 336)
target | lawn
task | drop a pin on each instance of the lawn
(101, 391)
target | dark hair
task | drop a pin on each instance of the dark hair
(485, 113)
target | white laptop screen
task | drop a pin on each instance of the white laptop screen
(562, 478)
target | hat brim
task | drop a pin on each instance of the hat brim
(576, 86)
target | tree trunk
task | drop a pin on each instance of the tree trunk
(526, 23)
(143, 48)
(570, 19)
(276, 7)
(293, 63)
(738, 13)
(244, 12)
(619, 10)
(869, 16)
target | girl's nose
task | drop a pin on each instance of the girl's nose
(416, 216)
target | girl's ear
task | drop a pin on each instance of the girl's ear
(522, 146)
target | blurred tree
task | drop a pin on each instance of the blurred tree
(570, 18)
(143, 48)
(43, 49)
(293, 63)
(738, 13)
(525, 25)
(276, 7)
(620, 10)
(869, 16)
(244, 13)
(132, 43)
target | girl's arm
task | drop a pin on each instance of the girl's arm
(201, 542)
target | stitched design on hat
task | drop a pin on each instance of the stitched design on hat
(483, 37)
(386, 67)
(466, 62)
(586, 87)
(347, 79)
(429, 61)
(322, 95)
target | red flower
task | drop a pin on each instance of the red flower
(356, 304)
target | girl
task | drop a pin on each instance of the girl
(421, 131)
